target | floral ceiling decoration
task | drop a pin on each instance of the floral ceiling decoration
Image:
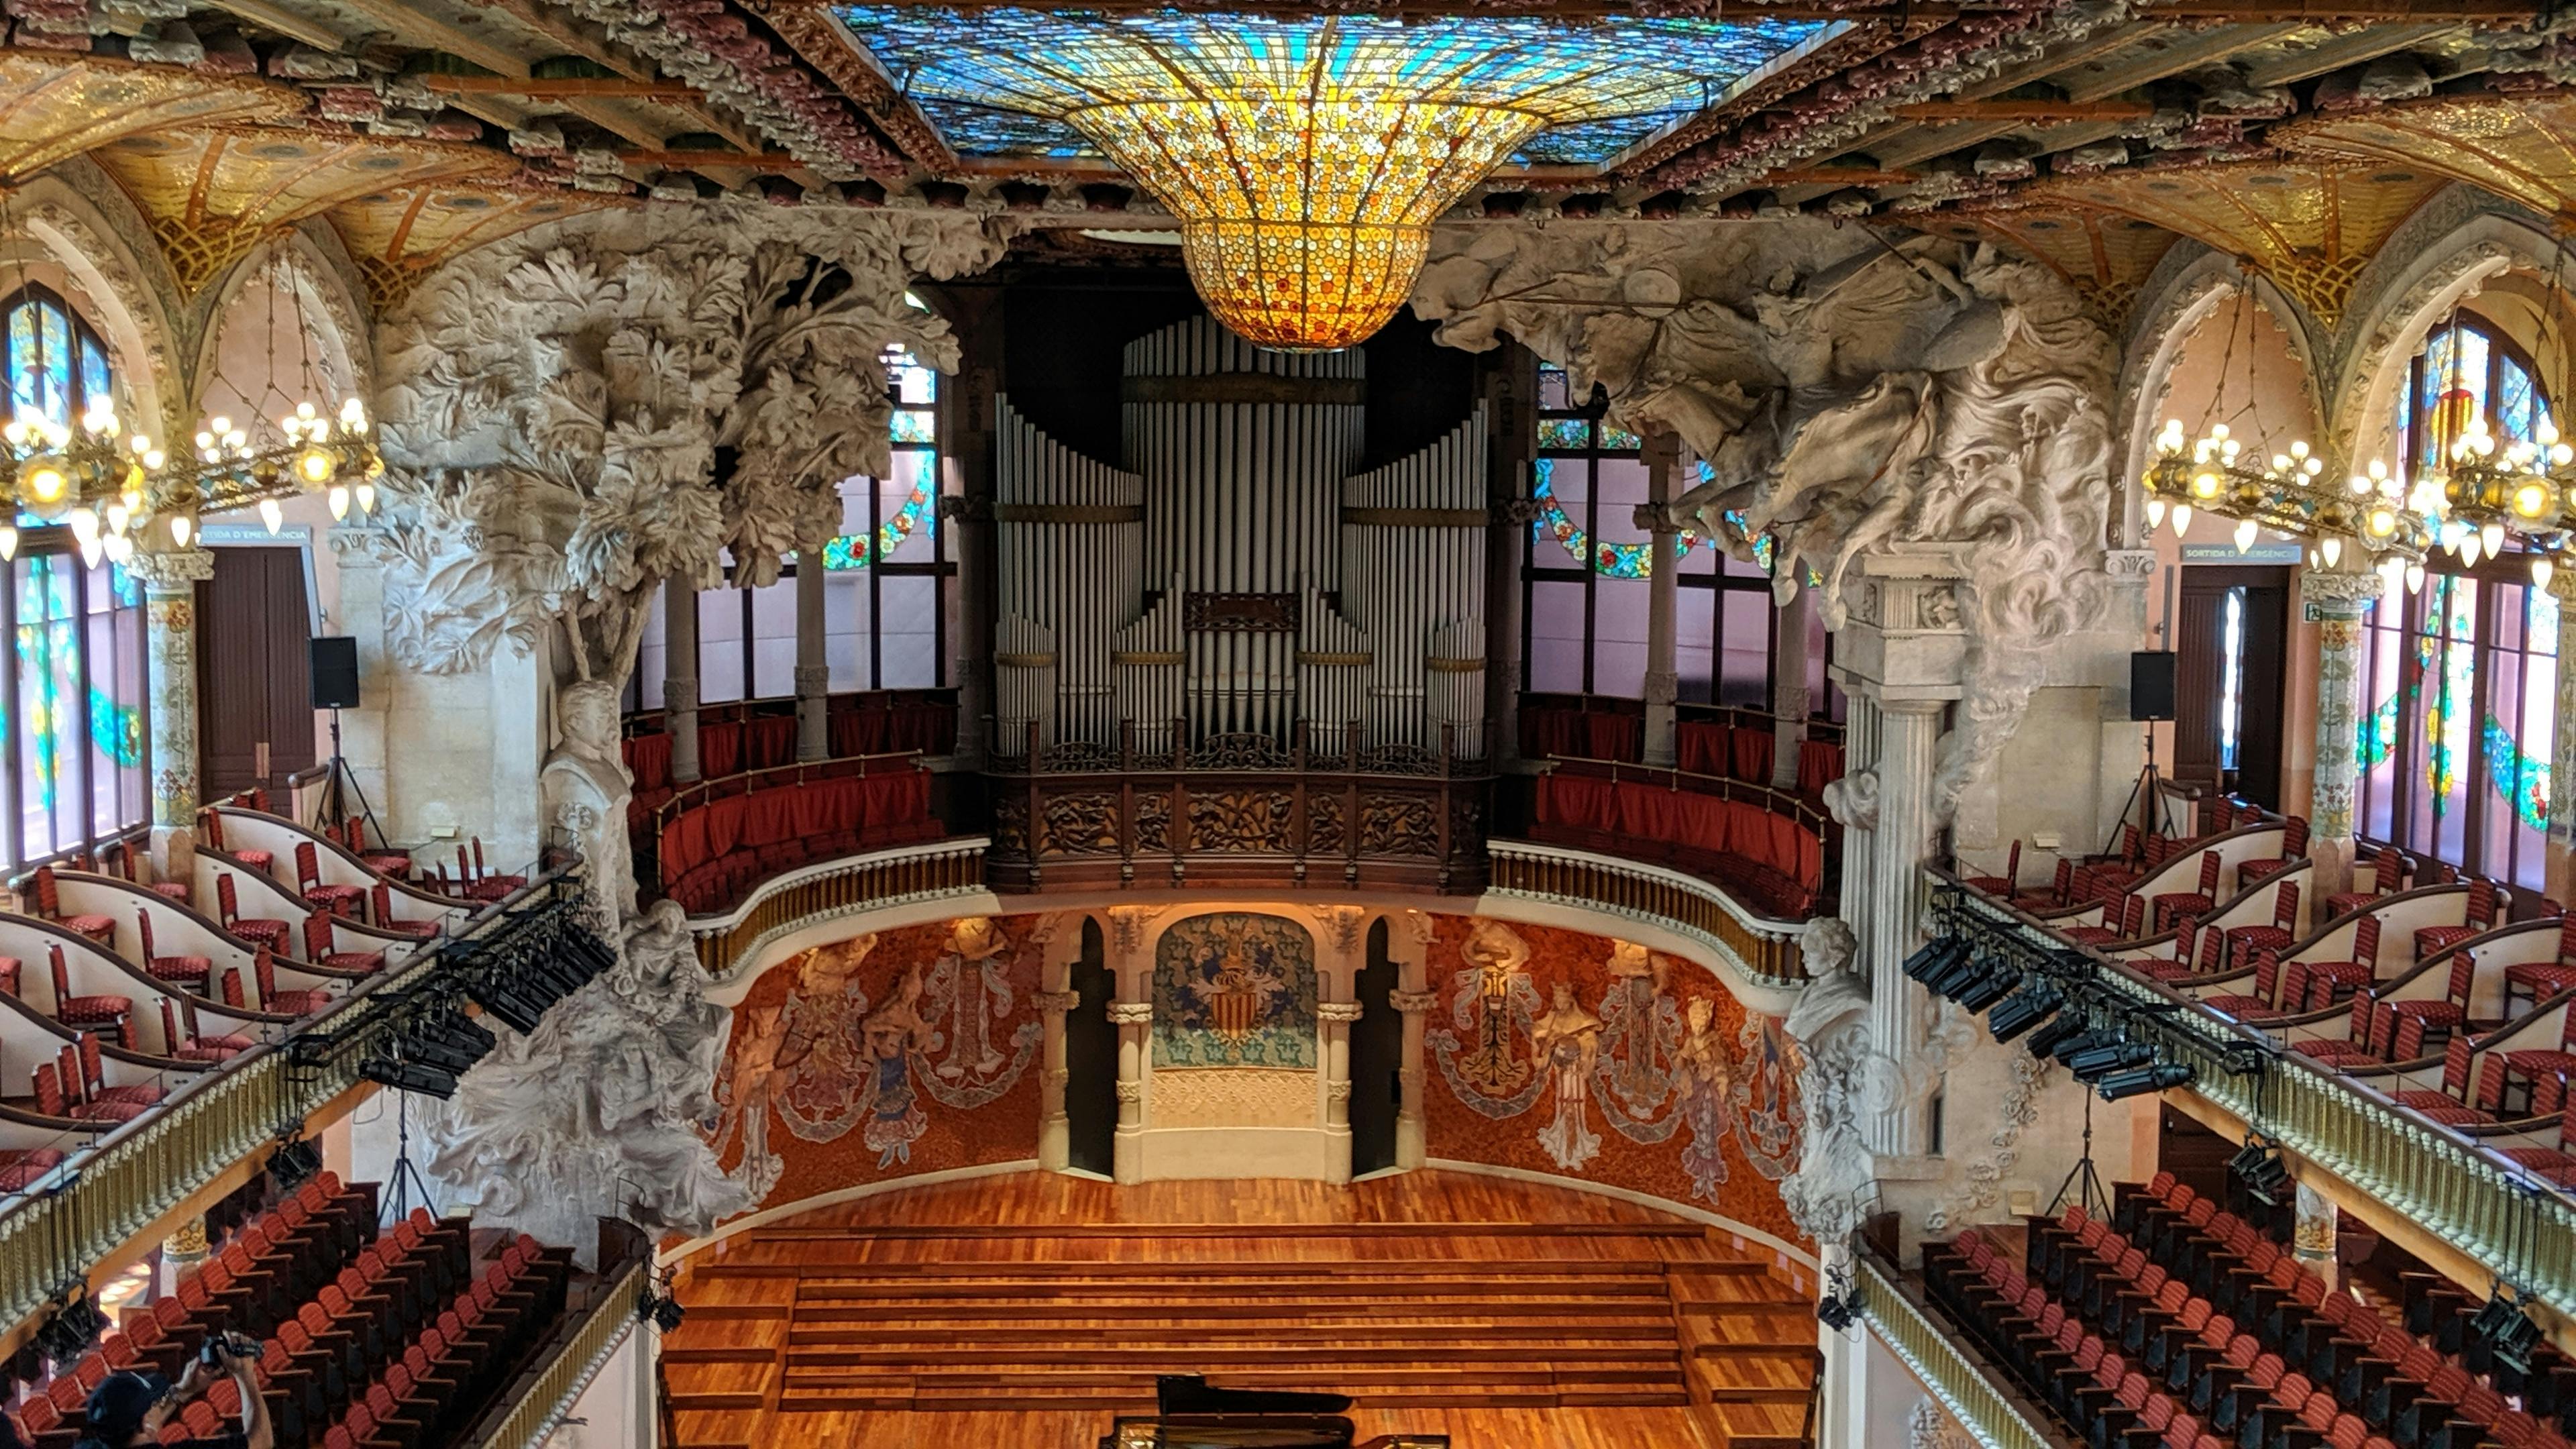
(1307, 157)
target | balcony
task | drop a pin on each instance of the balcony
(2425, 1176)
(1895, 1309)
(1240, 810)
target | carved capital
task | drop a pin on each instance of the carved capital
(813, 680)
(1790, 701)
(1345, 927)
(679, 694)
(362, 546)
(1131, 1013)
(1338, 1090)
(172, 570)
(1516, 513)
(1131, 1091)
(1056, 1077)
(1341, 1011)
(1413, 1002)
(1418, 926)
(1058, 1000)
(965, 508)
(1663, 687)
(2341, 591)
(2129, 563)
(1127, 928)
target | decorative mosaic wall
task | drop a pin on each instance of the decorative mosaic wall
(1234, 990)
(886, 1055)
(1576, 1055)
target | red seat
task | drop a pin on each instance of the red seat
(2451, 1103)
(268, 931)
(2244, 941)
(2386, 869)
(382, 915)
(49, 904)
(2001, 886)
(291, 1002)
(318, 893)
(24, 1167)
(318, 948)
(2433, 940)
(93, 1076)
(189, 971)
(101, 1011)
(2419, 1023)
(2166, 908)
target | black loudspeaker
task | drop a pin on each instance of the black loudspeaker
(335, 673)
(2151, 684)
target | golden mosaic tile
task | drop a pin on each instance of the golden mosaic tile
(2522, 148)
(54, 105)
(398, 235)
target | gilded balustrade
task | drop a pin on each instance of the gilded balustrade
(834, 889)
(1961, 1383)
(1682, 904)
(2483, 1205)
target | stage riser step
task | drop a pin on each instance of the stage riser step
(1318, 1359)
(1166, 1329)
(857, 1272)
(1248, 1231)
(957, 1318)
(1363, 1290)
(1351, 1381)
(814, 1404)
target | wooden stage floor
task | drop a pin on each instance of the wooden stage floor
(1026, 1311)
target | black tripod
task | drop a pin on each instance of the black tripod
(2145, 797)
(339, 782)
(405, 1174)
(2081, 1179)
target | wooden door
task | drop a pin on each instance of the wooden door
(253, 628)
(2206, 657)
(1091, 1060)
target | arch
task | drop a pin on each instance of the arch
(2468, 242)
(290, 264)
(111, 285)
(81, 347)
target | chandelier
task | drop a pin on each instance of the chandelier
(1305, 157)
(2289, 494)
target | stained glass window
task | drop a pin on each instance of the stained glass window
(1587, 565)
(2460, 680)
(885, 601)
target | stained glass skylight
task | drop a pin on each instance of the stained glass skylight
(1004, 83)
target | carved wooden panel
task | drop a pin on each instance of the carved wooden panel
(1203, 613)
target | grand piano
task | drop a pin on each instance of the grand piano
(1189, 1414)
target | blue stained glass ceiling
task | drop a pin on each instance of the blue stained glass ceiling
(1002, 83)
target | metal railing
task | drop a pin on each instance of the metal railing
(127, 1179)
(2479, 1203)
(1961, 1383)
(837, 888)
(1683, 904)
(610, 1317)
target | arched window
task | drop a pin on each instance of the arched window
(57, 366)
(75, 666)
(2460, 678)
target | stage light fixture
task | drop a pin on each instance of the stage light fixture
(404, 1076)
(2507, 1331)
(2259, 1167)
(293, 1163)
(1933, 957)
(2045, 1041)
(75, 1325)
(1955, 978)
(513, 1008)
(2023, 1009)
(1986, 990)
(2091, 1039)
(2137, 1080)
(2098, 1062)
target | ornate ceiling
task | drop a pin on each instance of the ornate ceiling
(2089, 135)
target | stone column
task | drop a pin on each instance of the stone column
(181, 1253)
(1333, 1020)
(1909, 737)
(1060, 938)
(1133, 1019)
(1789, 702)
(1504, 667)
(2335, 599)
(2312, 1234)
(2562, 763)
(170, 582)
(1663, 599)
(680, 678)
(1858, 817)
(813, 674)
(1411, 1144)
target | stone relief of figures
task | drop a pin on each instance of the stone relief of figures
(1647, 1063)
(949, 1032)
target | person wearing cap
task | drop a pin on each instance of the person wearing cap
(129, 1407)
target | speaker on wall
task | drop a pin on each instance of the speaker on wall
(2151, 684)
(334, 659)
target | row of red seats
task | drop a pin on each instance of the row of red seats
(2375, 1368)
(854, 727)
(1783, 856)
(709, 854)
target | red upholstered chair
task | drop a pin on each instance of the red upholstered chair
(188, 971)
(319, 949)
(2558, 1164)
(292, 1002)
(2386, 869)
(2264, 1003)
(381, 915)
(2327, 982)
(187, 1046)
(2001, 886)
(2450, 1104)
(268, 931)
(2419, 1025)
(2165, 908)
(114, 1013)
(2531, 982)
(2545, 1069)
(93, 1070)
(479, 883)
(383, 860)
(49, 904)
(259, 860)
(2244, 941)
(317, 893)
(11, 970)
(23, 1167)
(2432, 940)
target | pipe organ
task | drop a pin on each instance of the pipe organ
(1235, 578)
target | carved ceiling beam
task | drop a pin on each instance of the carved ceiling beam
(285, 22)
(2024, 111)
(2335, 52)
(696, 160)
(560, 90)
(587, 42)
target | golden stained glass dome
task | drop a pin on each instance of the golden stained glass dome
(1306, 157)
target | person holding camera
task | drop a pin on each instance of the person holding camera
(130, 1407)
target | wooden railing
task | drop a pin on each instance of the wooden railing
(1972, 1394)
(575, 1360)
(1683, 904)
(128, 1178)
(2485, 1206)
(837, 888)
